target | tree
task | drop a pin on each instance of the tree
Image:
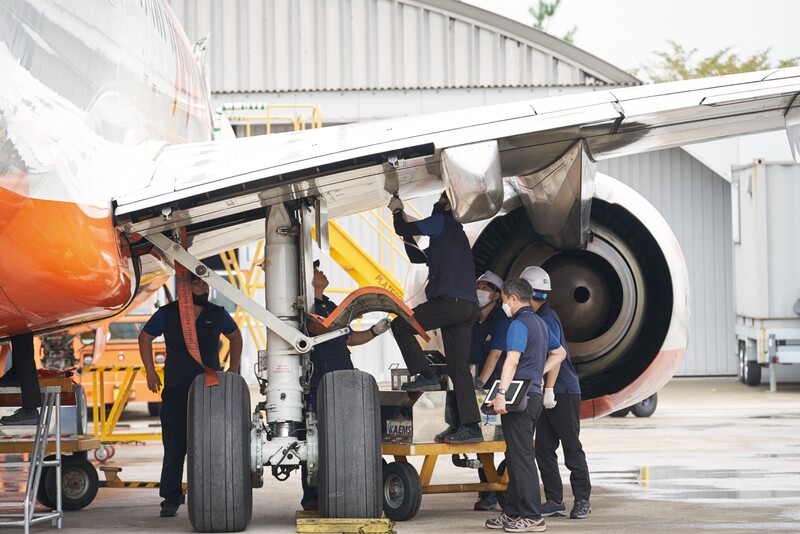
(677, 64)
(546, 10)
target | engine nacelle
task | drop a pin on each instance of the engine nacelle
(623, 299)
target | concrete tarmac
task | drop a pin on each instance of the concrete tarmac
(717, 456)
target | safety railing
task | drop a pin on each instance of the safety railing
(104, 424)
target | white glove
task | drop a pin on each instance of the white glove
(395, 205)
(549, 398)
(380, 327)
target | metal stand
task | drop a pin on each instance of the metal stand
(36, 465)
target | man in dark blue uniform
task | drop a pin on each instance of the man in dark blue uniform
(332, 355)
(452, 306)
(23, 374)
(488, 341)
(562, 422)
(531, 352)
(180, 369)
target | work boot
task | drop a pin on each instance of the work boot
(169, 509)
(580, 510)
(499, 522)
(420, 383)
(21, 417)
(10, 379)
(553, 508)
(440, 437)
(487, 504)
(465, 434)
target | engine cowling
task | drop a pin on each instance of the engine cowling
(623, 300)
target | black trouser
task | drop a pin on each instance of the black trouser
(455, 318)
(24, 365)
(522, 495)
(563, 424)
(174, 407)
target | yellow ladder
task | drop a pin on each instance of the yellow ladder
(358, 263)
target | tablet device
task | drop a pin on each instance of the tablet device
(515, 394)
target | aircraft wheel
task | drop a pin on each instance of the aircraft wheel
(620, 413)
(154, 408)
(41, 491)
(350, 477)
(647, 407)
(402, 491)
(79, 483)
(220, 491)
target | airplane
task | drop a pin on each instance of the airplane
(107, 157)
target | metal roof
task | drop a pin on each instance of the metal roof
(343, 45)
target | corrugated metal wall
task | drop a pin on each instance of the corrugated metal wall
(319, 45)
(695, 201)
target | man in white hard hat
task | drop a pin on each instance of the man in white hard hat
(561, 422)
(488, 340)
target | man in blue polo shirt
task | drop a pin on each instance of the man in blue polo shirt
(562, 422)
(531, 353)
(452, 306)
(180, 369)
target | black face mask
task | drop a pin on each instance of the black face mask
(200, 300)
(438, 208)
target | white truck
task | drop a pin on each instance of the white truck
(766, 221)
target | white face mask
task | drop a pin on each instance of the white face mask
(507, 309)
(484, 298)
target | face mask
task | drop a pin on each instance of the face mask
(200, 300)
(437, 208)
(484, 298)
(507, 310)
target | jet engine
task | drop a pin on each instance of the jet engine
(620, 283)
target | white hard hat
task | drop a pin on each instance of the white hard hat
(491, 278)
(537, 278)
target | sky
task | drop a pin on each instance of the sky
(626, 32)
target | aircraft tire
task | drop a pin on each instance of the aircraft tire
(647, 407)
(350, 477)
(220, 491)
(620, 413)
(402, 491)
(79, 483)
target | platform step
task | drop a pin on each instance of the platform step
(312, 522)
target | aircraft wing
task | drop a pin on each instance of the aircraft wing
(217, 185)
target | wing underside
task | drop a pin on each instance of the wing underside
(215, 186)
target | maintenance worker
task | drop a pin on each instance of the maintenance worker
(488, 337)
(329, 356)
(532, 351)
(180, 369)
(22, 373)
(452, 306)
(562, 422)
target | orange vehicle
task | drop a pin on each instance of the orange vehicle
(115, 345)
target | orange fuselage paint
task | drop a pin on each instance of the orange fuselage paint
(60, 263)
